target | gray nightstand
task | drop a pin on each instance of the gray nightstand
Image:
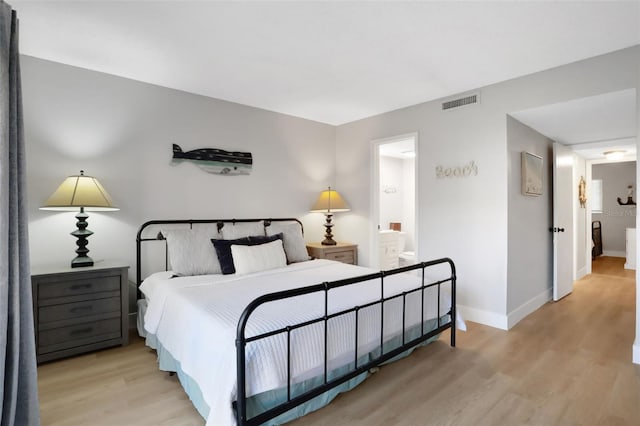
(342, 252)
(77, 310)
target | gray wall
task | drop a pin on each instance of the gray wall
(615, 218)
(409, 202)
(121, 132)
(530, 262)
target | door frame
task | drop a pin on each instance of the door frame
(589, 218)
(374, 184)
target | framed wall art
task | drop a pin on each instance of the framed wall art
(531, 174)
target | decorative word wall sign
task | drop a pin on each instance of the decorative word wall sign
(467, 170)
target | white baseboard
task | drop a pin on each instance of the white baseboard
(614, 253)
(483, 317)
(528, 307)
(581, 273)
(636, 352)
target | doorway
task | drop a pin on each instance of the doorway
(394, 185)
(613, 214)
(593, 126)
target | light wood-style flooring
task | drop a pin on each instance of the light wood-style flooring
(569, 363)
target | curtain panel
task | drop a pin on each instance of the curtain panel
(18, 369)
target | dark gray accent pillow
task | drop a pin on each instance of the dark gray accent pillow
(293, 241)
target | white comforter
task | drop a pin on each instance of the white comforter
(195, 319)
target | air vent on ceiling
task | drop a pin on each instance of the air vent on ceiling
(457, 103)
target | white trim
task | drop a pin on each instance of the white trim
(374, 211)
(374, 206)
(589, 240)
(614, 253)
(528, 307)
(483, 317)
(582, 271)
(416, 196)
(636, 353)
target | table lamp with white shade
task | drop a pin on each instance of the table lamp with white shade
(80, 192)
(329, 202)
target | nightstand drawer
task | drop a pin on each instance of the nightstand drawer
(77, 335)
(78, 309)
(345, 256)
(90, 285)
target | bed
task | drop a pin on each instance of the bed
(276, 339)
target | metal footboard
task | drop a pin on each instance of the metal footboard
(329, 383)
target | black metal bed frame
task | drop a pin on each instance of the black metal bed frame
(242, 340)
(158, 237)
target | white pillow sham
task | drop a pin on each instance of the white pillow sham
(231, 231)
(294, 245)
(191, 252)
(248, 259)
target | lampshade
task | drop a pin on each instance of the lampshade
(330, 201)
(80, 191)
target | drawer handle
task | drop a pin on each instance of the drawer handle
(81, 286)
(338, 256)
(81, 308)
(82, 331)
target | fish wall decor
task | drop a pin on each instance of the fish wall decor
(217, 161)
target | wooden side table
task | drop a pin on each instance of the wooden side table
(342, 252)
(78, 310)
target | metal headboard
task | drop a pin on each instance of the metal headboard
(141, 238)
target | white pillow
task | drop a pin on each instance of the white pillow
(191, 252)
(231, 231)
(294, 245)
(262, 257)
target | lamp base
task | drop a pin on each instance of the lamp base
(328, 236)
(81, 261)
(82, 233)
(328, 242)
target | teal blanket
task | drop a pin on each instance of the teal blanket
(259, 403)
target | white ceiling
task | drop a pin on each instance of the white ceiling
(331, 61)
(589, 125)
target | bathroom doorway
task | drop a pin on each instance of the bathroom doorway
(394, 186)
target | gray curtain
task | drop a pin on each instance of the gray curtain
(19, 393)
